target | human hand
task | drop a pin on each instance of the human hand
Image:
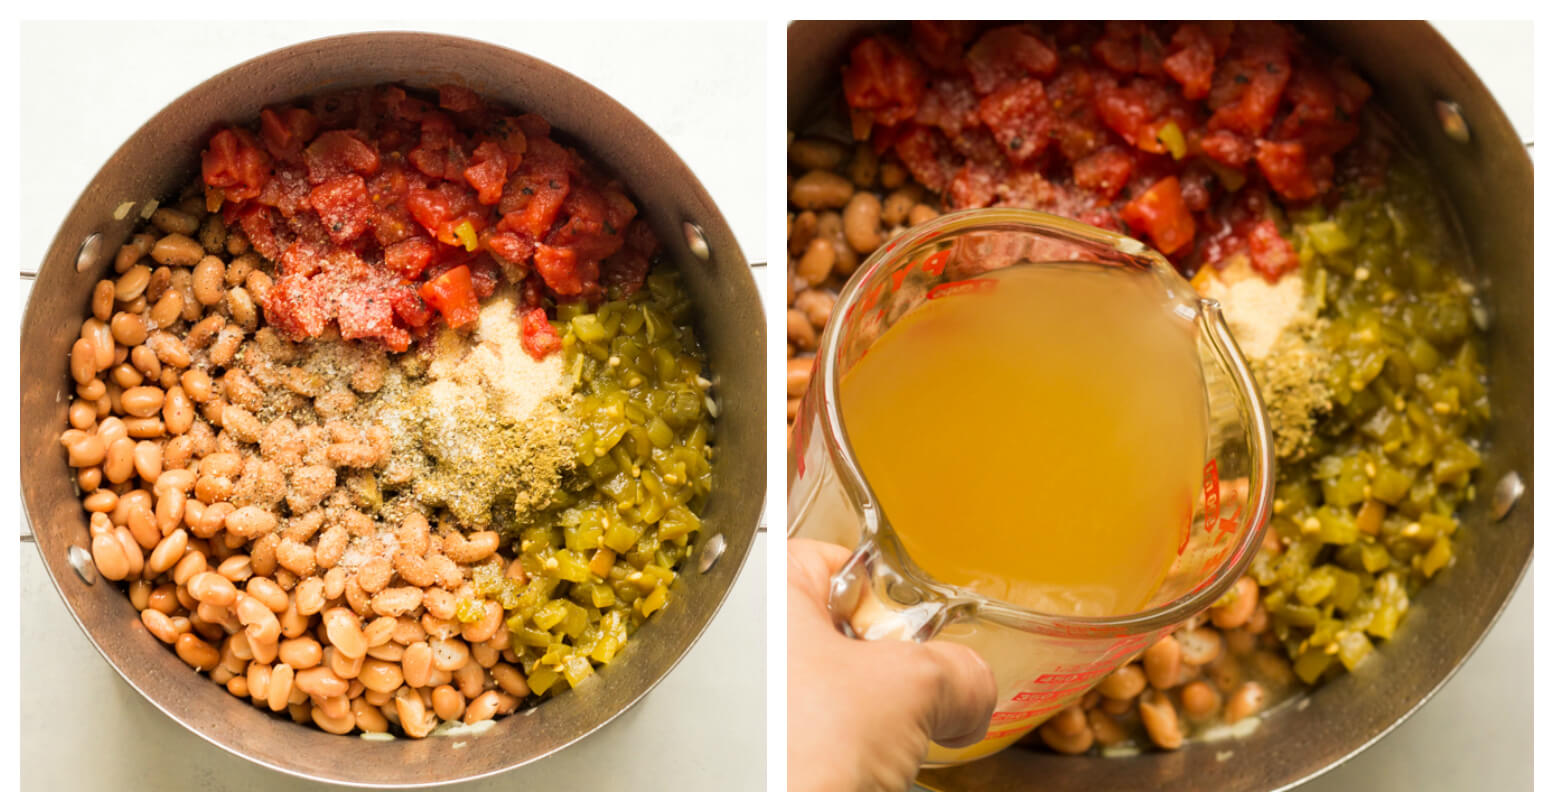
(862, 713)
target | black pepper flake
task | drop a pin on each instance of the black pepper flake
(1017, 143)
(528, 191)
(1242, 79)
(555, 184)
(1272, 68)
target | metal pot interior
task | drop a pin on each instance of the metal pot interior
(163, 155)
(1488, 182)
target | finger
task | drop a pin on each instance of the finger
(966, 694)
(811, 565)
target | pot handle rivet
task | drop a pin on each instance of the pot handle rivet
(86, 257)
(696, 240)
(1452, 121)
(711, 551)
(1508, 491)
(81, 561)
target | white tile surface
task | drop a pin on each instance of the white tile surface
(699, 86)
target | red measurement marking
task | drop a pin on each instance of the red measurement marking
(934, 265)
(963, 286)
(1064, 679)
(1043, 696)
(1210, 495)
(1124, 647)
(999, 734)
(1010, 716)
(870, 298)
(899, 276)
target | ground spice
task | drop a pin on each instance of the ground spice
(1276, 326)
(476, 426)
(486, 435)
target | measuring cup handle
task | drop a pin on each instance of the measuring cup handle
(863, 607)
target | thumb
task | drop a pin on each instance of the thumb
(962, 696)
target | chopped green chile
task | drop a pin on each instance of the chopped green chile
(645, 471)
(1368, 513)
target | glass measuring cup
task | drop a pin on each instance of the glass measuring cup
(1041, 662)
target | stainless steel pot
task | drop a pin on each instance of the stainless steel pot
(1486, 174)
(164, 154)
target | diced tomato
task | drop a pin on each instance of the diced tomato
(1019, 118)
(357, 195)
(538, 336)
(1118, 48)
(1352, 90)
(509, 136)
(1008, 53)
(430, 156)
(641, 239)
(1106, 171)
(294, 308)
(1271, 254)
(533, 125)
(546, 189)
(1151, 54)
(430, 208)
(287, 190)
(559, 268)
(517, 249)
(301, 258)
(949, 104)
(235, 164)
(337, 153)
(1196, 179)
(882, 80)
(337, 110)
(457, 98)
(1246, 89)
(286, 131)
(1227, 147)
(489, 172)
(1079, 128)
(973, 187)
(1030, 189)
(258, 224)
(408, 257)
(483, 276)
(626, 271)
(924, 153)
(1191, 61)
(1220, 33)
(587, 230)
(1126, 111)
(452, 295)
(344, 207)
(939, 42)
(455, 161)
(364, 313)
(409, 307)
(1161, 213)
(1289, 172)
